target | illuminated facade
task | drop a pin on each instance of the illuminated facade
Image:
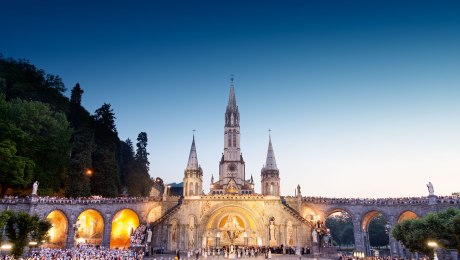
(230, 214)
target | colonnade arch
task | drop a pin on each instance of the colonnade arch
(380, 237)
(340, 224)
(124, 222)
(89, 227)
(408, 214)
(59, 228)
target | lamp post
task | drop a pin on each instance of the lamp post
(245, 235)
(433, 245)
(217, 239)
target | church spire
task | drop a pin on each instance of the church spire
(232, 116)
(231, 98)
(192, 158)
(270, 163)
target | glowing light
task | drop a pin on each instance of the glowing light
(123, 224)
(6, 247)
(432, 244)
(89, 172)
(89, 227)
(58, 230)
(33, 243)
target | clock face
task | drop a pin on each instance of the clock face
(231, 167)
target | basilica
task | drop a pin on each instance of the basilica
(181, 217)
(232, 213)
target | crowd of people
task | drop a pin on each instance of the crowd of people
(83, 252)
(79, 200)
(350, 201)
(382, 201)
(138, 236)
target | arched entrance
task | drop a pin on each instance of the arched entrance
(232, 225)
(407, 215)
(89, 228)
(58, 231)
(340, 224)
(123, 225)
(376, 231)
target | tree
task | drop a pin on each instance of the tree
(4, 217)
(442, 227)
(21, 227)
(378, 236)
(106, 179)
(141, 152)
(82, 147)
(41, 135)
(341, 227)
(15, 171)
(76, 94)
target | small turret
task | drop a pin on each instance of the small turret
(193, 174)
(270, 173)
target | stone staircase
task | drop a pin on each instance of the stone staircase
(167, 214)
(293, 212)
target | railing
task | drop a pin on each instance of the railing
(167, 214)
(293, 212)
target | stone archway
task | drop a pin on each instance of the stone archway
(340, 224)
(373, 234)
(408, 214)
(232, 225)
(89, 227)
(124, 223)
(58, 231)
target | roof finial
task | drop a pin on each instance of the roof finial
(232, 79)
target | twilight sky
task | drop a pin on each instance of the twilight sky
(363, 97)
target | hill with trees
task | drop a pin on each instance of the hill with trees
(50, 138)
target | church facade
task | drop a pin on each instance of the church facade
(231, 214)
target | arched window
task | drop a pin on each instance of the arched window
(271, 188)
(196, 189)
(229, 134)
(190, 189)
(234, 139)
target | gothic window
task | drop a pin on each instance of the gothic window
(234, 139)
(271, 188)
(229, 138)
(190, 189)
(196, 189)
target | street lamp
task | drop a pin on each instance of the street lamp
(433, 245)
(89, 172)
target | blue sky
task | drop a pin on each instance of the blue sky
(363, 97)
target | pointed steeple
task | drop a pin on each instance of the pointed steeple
(270, 163)
(231, 97)
(192, 158)
(232, 115)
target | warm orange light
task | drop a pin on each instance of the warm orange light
(89, 172)
(123, 224)
(58, 231)
(89, 227)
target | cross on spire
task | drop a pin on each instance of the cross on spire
(231, 79)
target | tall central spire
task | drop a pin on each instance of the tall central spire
(232, 115)
(231, 98)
